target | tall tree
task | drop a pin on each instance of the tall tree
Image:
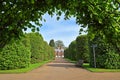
(82, 48)
(102, 16)
(52, 43)
(59, 43)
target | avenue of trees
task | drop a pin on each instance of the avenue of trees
(30, 49)
(101, 17)
(82, 49)
(78, 49)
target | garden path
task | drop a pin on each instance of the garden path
(60, 69)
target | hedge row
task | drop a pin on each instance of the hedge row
(78, 49)
(20, 54)
(106, 55)
(71, 52)
(109, 60)
(14, 56)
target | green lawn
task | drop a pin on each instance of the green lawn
(86, 66)
(24, 70)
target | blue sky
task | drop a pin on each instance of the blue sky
(65, 30)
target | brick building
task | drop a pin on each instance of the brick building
(59, 52)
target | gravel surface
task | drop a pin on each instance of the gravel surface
(60, 69)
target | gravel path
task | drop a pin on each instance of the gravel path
(61, 70)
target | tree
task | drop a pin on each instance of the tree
(52, 43)
(59, 43)
(70, 52)
(103, 17)
(82, 48)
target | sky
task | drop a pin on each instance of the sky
(64, 30)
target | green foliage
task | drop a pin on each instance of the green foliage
(109, 60)
(52, 43)
(102, 17)
(87, 66)
(70, 52)
(66, 53)
(24, 70)
(31, 48)
(48, 51)
(59, 43)
(40, 50)
(36, 47)
(14, 56)
(82, 48)
(78, 49)
(26, 41)
(107, 56)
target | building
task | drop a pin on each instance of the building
(59, 52)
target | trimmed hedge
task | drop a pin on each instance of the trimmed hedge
(40, 50)
(106, 54)
(82, 48)
(70, 52)
(78, 49)
(14, 56)
(109, 60)
(28, 50)
(36, 42)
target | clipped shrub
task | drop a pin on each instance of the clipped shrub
(36, 43)
(26, 41)
(66, 53)
(106, 54)
(48, 51)
(14, 56)
(72, 50)
(40, 50)
(109, 60)
(82, 48)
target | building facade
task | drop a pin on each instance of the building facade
(59, 52)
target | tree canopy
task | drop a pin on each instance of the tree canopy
(102, 17)
(52, 43)
(59, 43)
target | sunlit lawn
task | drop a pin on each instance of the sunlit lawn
(34, 66)
(24, 70)
(86, 66)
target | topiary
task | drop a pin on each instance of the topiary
(14, 56)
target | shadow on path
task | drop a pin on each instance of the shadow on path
(66, 65)
(60, 69)
(61, 62)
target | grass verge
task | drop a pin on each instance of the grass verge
(86, 66)
(24, 70)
